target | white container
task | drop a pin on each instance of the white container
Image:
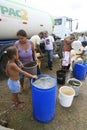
(76, 85)
(66, 96)
(76, 45)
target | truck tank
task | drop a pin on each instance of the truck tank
(15, 16)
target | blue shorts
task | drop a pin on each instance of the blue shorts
(14, 85)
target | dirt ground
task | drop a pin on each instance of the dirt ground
(72, 118)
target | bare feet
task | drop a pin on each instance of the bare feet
(19, 105)
(22, 90)
(21, 102)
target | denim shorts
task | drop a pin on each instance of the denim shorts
(14, 85)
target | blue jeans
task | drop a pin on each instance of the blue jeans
(49, 54)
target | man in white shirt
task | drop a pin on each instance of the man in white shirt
(36, 40)
(49, 47)
(82, 38)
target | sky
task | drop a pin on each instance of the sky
(75, 9)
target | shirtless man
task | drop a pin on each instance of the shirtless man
(66, 51)
(12, 70)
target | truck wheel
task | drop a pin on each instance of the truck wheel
(3, 62)
(3, 57)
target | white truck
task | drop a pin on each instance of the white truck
(62, 26)
(15, 16)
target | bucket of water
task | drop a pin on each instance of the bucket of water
(75, 84)
(66, 96)
(31, 68)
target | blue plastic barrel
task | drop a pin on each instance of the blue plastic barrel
(44, 101)
(79, 71)
(85, 66)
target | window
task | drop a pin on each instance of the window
(58, 21)
(68, 23)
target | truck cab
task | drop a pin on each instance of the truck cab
(62, 26)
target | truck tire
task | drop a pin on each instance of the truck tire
(3, 62)
(3, 58)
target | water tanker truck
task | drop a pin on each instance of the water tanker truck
(18, 15)
(15, 16)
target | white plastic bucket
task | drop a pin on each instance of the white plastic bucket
(75, 84)
(66, 96)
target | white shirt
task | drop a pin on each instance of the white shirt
(36, 40)
(85, 38)
(81, 39)
(49, 43)
(85, 50)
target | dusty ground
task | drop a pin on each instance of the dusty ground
(73, 118)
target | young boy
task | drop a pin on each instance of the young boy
(12, 70)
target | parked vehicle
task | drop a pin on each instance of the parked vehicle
(15, 16)
(62, 26)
